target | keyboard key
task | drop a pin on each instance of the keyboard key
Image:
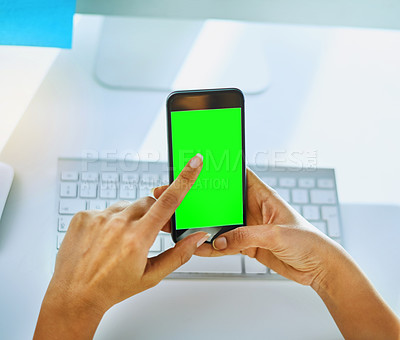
(156, 247)
(331, 215)
(299, 196)
(287, 182)
(271, 181)
(144, 191)
(164, 179)
(88, 190)
(60, 238)
(284, 193)
(321, 225)
(127, 191)
(110, 203)
(253, 266)
(109, 177)
(221, 264)
(68, 190)
(63, 222)
(297, 208)
(69, 176)
(326, 183)
(97, 205)
(130, 178)
(71, 206)
(90, 176)
(108, 190)
(152, 179)
(306, 182)
(323, 196)
(311, 212)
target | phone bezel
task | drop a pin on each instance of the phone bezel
(198, 100)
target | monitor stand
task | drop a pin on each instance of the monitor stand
(165, 55)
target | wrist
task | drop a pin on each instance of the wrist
(64, 314)
(355, 305)
(339, 276)
(336, 264)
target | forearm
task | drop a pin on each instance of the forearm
(61, 318)
(357, 308)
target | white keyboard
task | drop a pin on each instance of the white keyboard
(88, 184)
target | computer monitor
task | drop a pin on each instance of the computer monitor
(348, 13)
(170, 44)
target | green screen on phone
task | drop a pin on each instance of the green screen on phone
(216, 199)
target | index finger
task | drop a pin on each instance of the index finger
(163, 209)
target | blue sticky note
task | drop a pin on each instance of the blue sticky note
(46, 23)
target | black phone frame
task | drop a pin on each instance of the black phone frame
(198, 100)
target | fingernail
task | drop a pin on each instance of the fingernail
(152, 190)
(202, 240)
(196, 161)
(220, 243)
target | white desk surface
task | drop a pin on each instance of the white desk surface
(71, 114)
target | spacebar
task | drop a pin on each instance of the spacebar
(222, 264)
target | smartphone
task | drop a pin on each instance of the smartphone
(210, 122)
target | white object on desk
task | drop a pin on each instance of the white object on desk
(6, 178)
(200, 54)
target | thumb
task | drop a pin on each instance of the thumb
(231, 242)
(170, 260)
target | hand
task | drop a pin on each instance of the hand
(283, 240)
(103, 259)
(276, 235)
